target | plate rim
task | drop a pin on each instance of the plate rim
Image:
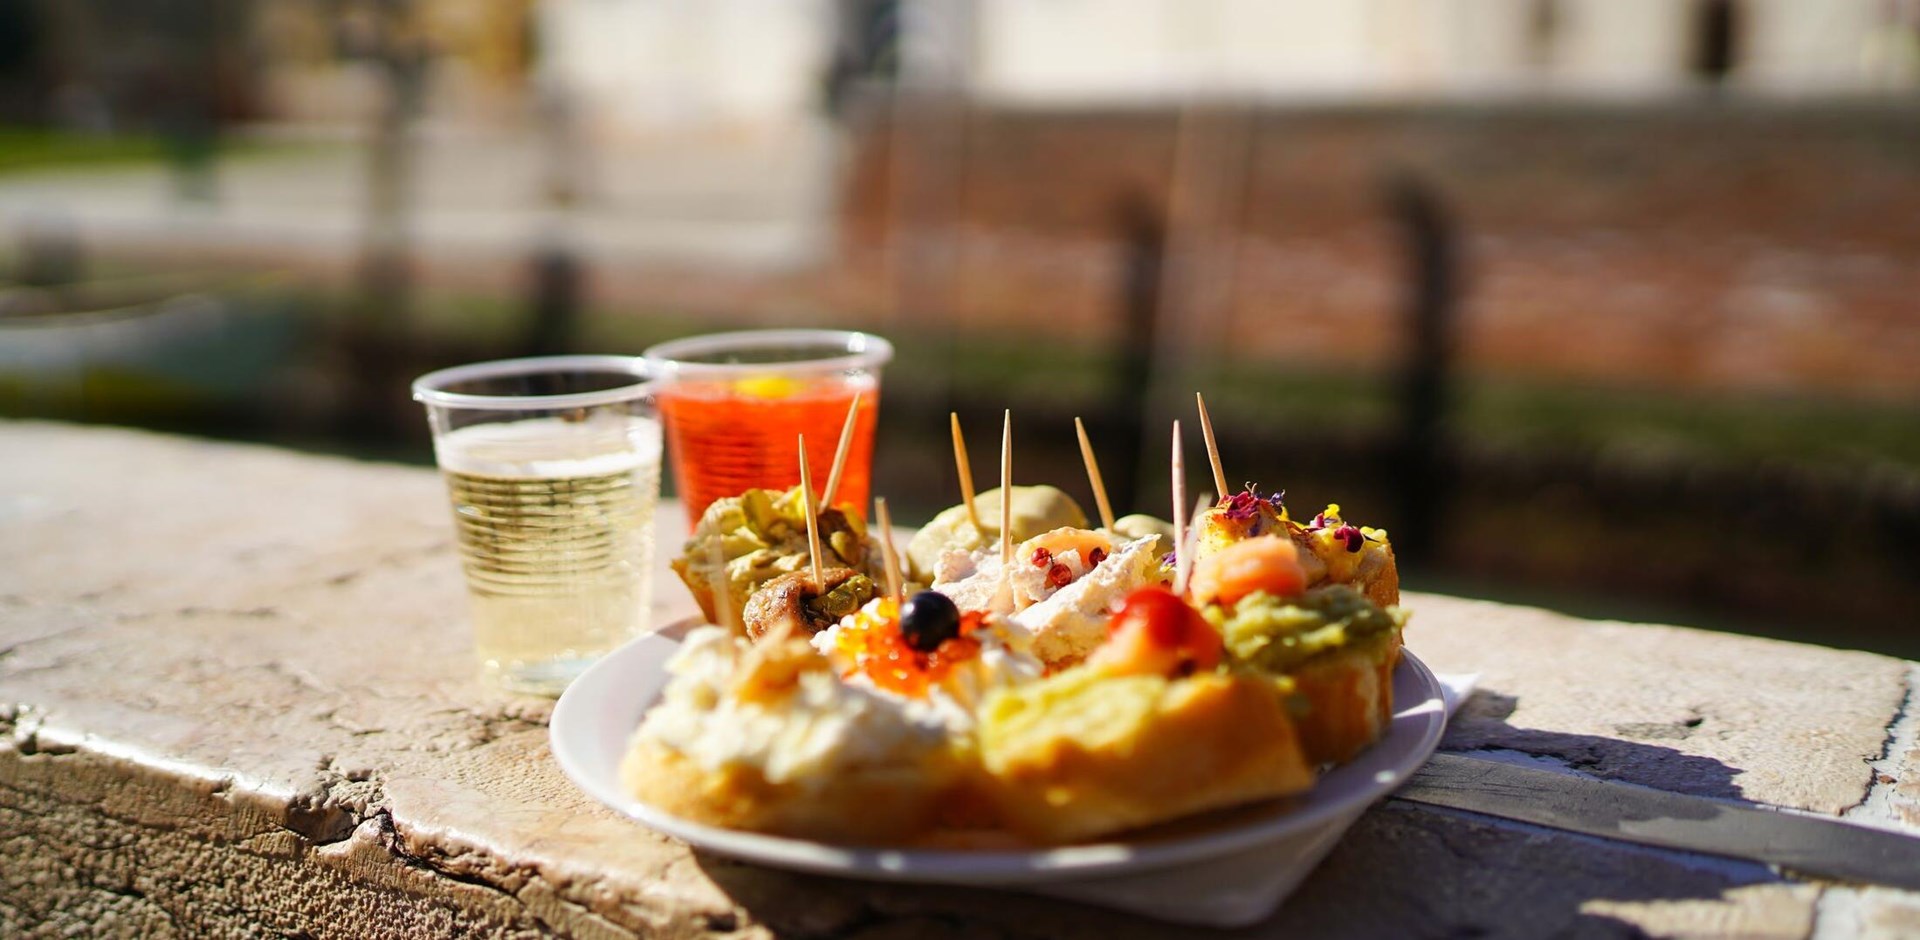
(987, 866)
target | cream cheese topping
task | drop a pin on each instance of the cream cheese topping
(1070, 622)
(973, 581)
(822, 726)
(1032, 582)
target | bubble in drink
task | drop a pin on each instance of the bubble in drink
(555, 523)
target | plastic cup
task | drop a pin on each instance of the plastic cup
(553, 473)
(734, 404)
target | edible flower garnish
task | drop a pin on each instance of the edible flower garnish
(1327, 517)
(1243, 505)
(1350, 535)
(1330, 519)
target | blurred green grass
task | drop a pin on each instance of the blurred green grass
(39, 149)
(29, 148)
(1801, 428)
(1503, 413)
(1497, 411)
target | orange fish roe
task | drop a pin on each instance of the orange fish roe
(872, 641)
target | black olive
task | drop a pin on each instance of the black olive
(928, 620)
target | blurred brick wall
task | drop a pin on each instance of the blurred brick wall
(1709, 245)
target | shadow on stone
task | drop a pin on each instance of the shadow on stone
(799, 905)
(1403, 870)
(1481, 725)
(1409, 870)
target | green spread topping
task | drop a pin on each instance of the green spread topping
(762, 534)
(764, 520)
(1279, 634)
(828, 608)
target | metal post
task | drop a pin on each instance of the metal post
(1420, 467)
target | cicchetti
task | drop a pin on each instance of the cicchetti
(1026, 677)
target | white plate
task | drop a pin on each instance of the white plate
(1263, 850)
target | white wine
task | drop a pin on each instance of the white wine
(555, 525)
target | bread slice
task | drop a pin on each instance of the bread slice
(1329, 559)
(1366, 563)
(763, 737)
(1084, 754)
(889, 804)
(1346, 697)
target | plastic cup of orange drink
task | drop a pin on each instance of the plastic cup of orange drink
(734, 403)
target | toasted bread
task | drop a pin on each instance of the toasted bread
(1348, 698)
(883, 805)
(1083, 754)
(763, 737)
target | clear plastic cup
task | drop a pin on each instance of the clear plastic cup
(553, 473)
(734, 404)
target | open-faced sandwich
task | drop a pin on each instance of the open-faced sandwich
(1035, 509)
(930, 654)
(766, 737)
(1061, 586)
(1059, 687)
(1332, 550)
(1338, 646)
(761, 535)
(1156, 724)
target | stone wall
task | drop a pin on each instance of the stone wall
(1706, 245)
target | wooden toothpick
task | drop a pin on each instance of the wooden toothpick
(1006, 492)
(828, 495)
(966, 471)
(895, 586)
(1093, 476)
(1182, 558)
(1213, 449)
(813, 524)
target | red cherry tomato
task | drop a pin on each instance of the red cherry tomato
(1157, 612)
(1156, 631)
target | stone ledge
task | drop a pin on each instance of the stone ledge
(239, 699)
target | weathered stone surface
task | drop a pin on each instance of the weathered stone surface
(1904, 782)
(1680, 709)
(1406, 870)
(1888, 914)
(1867, 913)
(1754, 911)
(237, 698)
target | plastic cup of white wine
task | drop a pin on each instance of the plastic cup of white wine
(552, 467)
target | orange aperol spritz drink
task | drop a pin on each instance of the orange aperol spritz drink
(735, 403)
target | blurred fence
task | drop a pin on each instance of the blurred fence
(1713, 244)
(1390, 263)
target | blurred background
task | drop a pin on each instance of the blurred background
(1611, 306)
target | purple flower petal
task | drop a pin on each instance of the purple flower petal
(1242, 506)
(1351, 535)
